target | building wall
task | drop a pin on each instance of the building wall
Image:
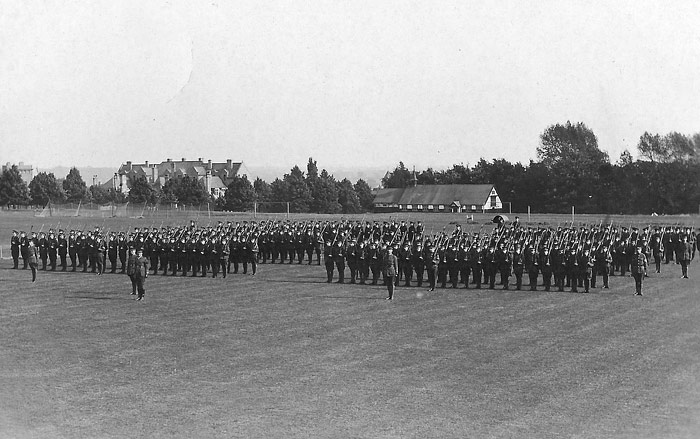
(25, 171)
(161, 172)
(493, 203)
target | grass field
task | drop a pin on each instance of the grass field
(284, 354)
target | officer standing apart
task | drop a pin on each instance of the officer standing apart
(33, 258)
(140, 273)
(685, 255)
(639, 268)
(391, 267)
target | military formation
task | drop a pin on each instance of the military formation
(554, 258)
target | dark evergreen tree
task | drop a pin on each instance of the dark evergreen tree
(364, 195)
(325, 195)
(239, 195)
(400, 177)
(13, 190)
(279, 190)
(299, 195)
(347, 197)
(74, 186)
(141, 191)
(263, 192)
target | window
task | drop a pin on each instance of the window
(409, 207)
(430, 207)
(420, 207)
(473, 206)
(441, 207)
(493, 201)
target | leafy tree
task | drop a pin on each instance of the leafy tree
(347, 197)
(44, 188)
(672, 147)
(13, 190)
(239, 195)
(625, 159)
(459, 174)
(400, 177)
(569, 145)
(650, 147)
(186, 190)
(74, 186)
(695, 138)
(141, 191)
(533, 189)
(429, 176)
(679, 146)
(116, 196)
(364, 195)
(99, 195)
(571, 154)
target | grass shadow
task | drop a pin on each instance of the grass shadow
(97, 296)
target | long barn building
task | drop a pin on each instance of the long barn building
(453, 198)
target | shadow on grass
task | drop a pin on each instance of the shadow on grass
(346, 297)
(97, 296)
(297, 281)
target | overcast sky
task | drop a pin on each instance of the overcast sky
(354, 83)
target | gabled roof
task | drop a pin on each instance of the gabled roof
(388, 196)
(109, 184)
(216, 182)
(192, 168)
(446, 194)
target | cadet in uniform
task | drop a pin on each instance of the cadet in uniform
(638, 268)
(390, 271)
(62, 249)
(685, 254)
(14, 249)
(33, 258)
(140, 273)
(328, 261)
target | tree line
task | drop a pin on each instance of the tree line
(305, 192)
(570, 170)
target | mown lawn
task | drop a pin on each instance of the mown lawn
(284, 354)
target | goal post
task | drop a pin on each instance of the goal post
(271, 208)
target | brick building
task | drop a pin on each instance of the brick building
(214, 176)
